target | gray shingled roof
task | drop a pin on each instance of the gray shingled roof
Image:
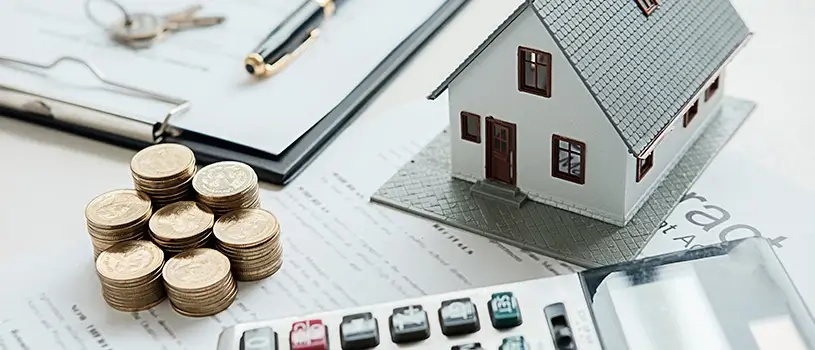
(642, 70)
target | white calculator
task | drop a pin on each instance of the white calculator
(711, 298)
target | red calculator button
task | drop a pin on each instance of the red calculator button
(308, 335)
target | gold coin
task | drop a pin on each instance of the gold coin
(129, 260)
(247, 253)
(160, 161)
(204, 296)
(224, 179)
(258, 272)
(121, 308)
(181, 220)
(117, 208)
(195, 269)
(209, 310)
(171, 188)
(245, 227)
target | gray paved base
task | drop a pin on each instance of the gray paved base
(425, 187)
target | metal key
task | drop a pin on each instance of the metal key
(142, 29)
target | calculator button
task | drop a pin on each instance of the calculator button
(504, 311)
(359, 331)
(308, 335)
(472, 346)
(409, 324)
(513, 343)
(259, 339)
(458, 316)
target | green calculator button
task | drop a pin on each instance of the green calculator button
(504, 311)
(513, 343)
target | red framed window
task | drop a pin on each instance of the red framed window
(647, 6)
(534, 72)
(568, 159)
(644, 165)
(711, 90)
(471, 127)
(691, 113)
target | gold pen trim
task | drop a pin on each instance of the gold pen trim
(329, 7)
(256, 62)
(262, 69)
(276, 67)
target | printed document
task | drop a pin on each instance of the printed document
(205, 66)
(737, 197)
(340, 251)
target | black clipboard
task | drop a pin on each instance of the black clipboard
(279, 169)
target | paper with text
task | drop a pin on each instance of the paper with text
(736, 198)
(205, 66)
(340, 251)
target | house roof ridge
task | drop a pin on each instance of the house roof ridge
(582, 79)
(642, 70)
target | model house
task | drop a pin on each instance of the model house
(586, 106)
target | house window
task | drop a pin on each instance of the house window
(644, 165)
(647, 6)
(534, 72)
(711, 90)
(691, 113)
(568, 159)
(471, 127)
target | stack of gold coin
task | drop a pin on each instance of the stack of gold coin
(199, 282)
(130, 273)
(117, 216)
(164, 172)
(250, 238)
(227, 186)
(181, 226)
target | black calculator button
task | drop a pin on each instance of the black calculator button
(504, 311)
(409, 324)
(458, 316)
(471, 346)
(359, 331)
(259, 339)
(513, 343)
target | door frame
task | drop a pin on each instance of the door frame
(511, 143)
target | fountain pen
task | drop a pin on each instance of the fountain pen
(290, 38)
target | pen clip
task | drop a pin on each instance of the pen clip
(284, 61)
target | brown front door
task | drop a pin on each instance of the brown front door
(500, 151)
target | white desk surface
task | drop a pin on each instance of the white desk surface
(48, 176)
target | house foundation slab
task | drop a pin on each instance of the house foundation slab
(425, 187)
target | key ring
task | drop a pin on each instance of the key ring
(95, 20)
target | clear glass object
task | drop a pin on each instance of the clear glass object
(731, 296)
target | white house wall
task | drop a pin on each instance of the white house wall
(669, 151)
(488, 87)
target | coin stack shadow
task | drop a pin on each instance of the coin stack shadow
(227, 186)
(164, 172)
(130, 274)
(117, 216)
(204, 290)
(250, 238)
(181, 226)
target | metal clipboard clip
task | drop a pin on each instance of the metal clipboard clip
(87, 116)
